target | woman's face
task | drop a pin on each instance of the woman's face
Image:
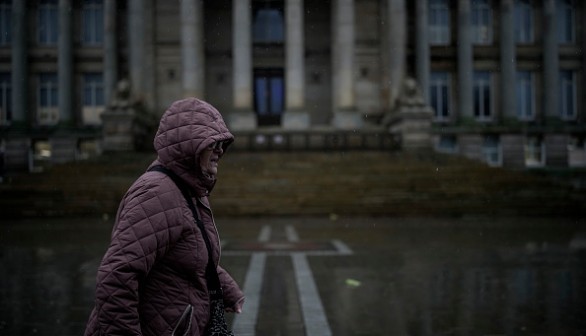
(210, 157)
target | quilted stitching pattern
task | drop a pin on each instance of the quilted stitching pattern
(187, 128)
(155, 265)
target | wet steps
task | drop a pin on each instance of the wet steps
(309, 183)
(380, 184)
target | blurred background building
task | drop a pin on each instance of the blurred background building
(502, 77)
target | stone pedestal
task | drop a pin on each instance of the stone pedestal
(118, 129)
(296, 120)
(241, 121)
(347, 120)
(414, 125)
(411, 118)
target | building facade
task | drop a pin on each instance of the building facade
(502, 76)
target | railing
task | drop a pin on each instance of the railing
(315, 140)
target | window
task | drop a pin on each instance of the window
(93, 89)
(268, 25)
(566, 21)
(92, 22)
(48, 90)
(568, 94)
(439, 95)
(523, 22)
(47, 105)
(88, 148)
(534, 151)
(47, 22)
(447, 144)
(5, 22)
(5, 98)
(484, 287)
(492, 150)
(481, 22)
(525, 96)
(577, 151)
(40, 156)
(93, 98)
(42, 149)
(525, 281)
(439, 22)
(482, 96)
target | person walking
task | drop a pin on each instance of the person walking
(154, 278)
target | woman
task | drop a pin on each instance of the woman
(152, 279)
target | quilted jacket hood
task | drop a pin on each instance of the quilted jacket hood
(186, 129)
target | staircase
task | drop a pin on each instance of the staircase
(306, 183)
(377, 183)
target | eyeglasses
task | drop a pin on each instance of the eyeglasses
(216, 146)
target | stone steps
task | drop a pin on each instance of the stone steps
(306, 183)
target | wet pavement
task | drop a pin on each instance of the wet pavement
(331, 276)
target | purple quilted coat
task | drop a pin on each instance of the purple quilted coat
(153, 272)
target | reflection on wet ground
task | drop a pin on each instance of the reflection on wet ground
(318, 276)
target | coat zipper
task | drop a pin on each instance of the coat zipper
(187, 314)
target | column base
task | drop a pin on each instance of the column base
(242, 121)
(296, 120)
(348, 120)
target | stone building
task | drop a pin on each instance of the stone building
(502, 76)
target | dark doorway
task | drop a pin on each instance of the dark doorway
(269, 96)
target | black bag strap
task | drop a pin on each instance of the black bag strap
(214, 286)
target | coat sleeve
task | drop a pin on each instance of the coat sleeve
(143, 232)
(232, 293)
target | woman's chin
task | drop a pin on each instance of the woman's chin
(212, 172)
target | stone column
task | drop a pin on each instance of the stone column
(295, 116)
(345, 113)
(149, 65)
(508, 60)
(110, 50)
(192, 48)
(422, 49)
(136, 50)
(243, 117)
(397, 48)
(551, 63)
(465, 60)
(19, 62)
(581, 113)
(65, 62)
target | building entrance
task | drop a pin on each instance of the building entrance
(269, 96)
